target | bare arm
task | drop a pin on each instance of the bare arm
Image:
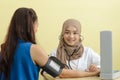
(39, 56)
(67, 73)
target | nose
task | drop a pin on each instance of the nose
(71, 35)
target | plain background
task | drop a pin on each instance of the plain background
(94, 15)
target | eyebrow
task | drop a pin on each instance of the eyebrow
(72, 30)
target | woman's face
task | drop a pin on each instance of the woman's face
(36, 26)
(71, 35)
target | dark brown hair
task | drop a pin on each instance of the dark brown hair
(21, 27)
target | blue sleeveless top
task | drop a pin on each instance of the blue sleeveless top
(23, 67)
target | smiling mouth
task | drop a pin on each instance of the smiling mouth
(71, 40)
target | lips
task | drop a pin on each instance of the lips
(70, 40)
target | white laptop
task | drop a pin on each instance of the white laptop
(107, 72)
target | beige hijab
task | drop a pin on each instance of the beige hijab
(63, 49)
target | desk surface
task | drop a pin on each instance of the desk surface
(85, 78)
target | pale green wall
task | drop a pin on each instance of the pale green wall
(94, 15)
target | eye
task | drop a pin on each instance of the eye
(76, 33)
(67, 32)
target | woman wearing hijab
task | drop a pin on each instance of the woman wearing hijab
(80, 61)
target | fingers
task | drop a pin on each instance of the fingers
(93, 68)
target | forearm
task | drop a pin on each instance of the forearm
(67, 73)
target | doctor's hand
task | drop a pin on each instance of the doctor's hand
(93, 68)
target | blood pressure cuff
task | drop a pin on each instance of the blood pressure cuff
(53, 66)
